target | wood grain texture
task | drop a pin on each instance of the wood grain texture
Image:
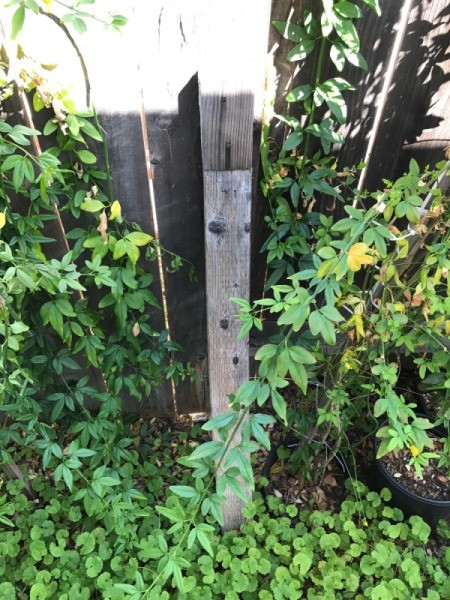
(377, 37)
(231, 85)
(119, 108)
(170, 93)
(227, 247)
(415, 122)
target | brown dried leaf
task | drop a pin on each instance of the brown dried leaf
(417, 299)
(330, 480)
(319, 498)
(103, 226)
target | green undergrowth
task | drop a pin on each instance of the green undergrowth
(53, 547)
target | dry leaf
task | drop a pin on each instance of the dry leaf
(319, 498)
(417, 299)
(103, 226)
(330, 480)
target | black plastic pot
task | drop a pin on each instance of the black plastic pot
(272, 458)
(431, 511)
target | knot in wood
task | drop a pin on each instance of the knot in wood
(217, 225)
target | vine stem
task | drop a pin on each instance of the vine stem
(317, 78)
(105, 155)
(204, 494)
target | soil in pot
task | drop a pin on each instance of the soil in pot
(428, 497)
(435, 483)
(327, 491)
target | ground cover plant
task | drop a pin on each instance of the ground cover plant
(98, 514)
(56, 548)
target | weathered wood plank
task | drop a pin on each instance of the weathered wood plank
(231, 85)
(231, 92)
(227, 221)
(377, 36)
(120, 110)
(227, 232)
(415, 121)
(170, 91)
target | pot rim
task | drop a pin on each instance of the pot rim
(290, 442)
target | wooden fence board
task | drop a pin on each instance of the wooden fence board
(120, 114)
(150, 70)
(377, 36)
(170, 93)
(415, 121)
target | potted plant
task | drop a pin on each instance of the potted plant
(372, 295)
(352, 297)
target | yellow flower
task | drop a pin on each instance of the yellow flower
(116, 211)
(414, 450)
(2, 219)
(357, 256)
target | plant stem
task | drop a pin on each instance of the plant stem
(317, 78)
(105, 157)
(204, 494)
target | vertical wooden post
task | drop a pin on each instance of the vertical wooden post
(231, 83)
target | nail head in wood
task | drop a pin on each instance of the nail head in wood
(217, 225)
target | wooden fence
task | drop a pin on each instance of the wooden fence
(144, 83)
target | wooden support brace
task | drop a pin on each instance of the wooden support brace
(231, 83)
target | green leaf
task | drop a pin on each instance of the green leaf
(132, 252)
(138, 238)
(231, 479)
(207, 449)
(79, 25)
(299, 375)
(347, 9)
(92, 206)
(220, 421)
(185, 491)
(293, 140)
(67, 476)
(301, 50)
(177, 575)
(89, 129)
(127, 588)
(245, 469)
(295, 315)
(290, 31)
(347, 32)
(87, 157)
(279, 405)
(120, 249)
(337, 55)
(169, 514)
(259, 434)
(300, 93)
(374, 5)
(17, 22)
(204, 541)
(301, 356)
